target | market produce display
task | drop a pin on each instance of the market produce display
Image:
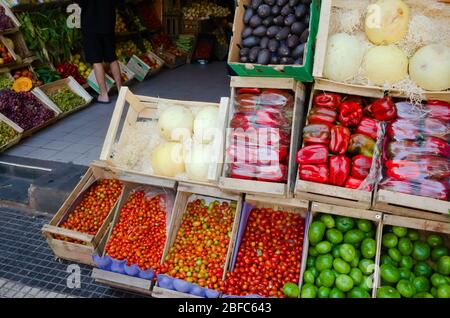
(6, 23)
(414, 264)
(5, 81)
(83, 69)
(6, 134)
(5, 56)
(275, 32)
(201, 244)
(126, 49)
(47, 74)
(67, 69)
(26, 72)
(22, 84)
(66, 100)
(340, 140)
(416, 154)
(95, 205)
(153, 63)
(257, 113)
(185, 42)
(24, 109)
(269, 256)
(341, 258)
(203, 10)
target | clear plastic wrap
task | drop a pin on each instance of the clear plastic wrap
(416, 152)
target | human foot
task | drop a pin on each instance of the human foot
(103, 99)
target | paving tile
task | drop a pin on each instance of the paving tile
(42, 154)
(42, 294)
(34, 291)
(51, 295)
(10, 293)
(66, 156)
(19, 295)
(57, 145)
(21, 150)
(25, 289)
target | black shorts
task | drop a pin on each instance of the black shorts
(99, 48)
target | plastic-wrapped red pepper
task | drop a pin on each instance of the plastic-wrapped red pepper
(242, 171)
(402, 129)
(340, 137)
(438, 109)
(361, 166)
(419, 166)
(403, 148)
(322, 115)
(353, 183)
(350, 113)
(437, 128)
(329, 100)
(382, 109)
(406, 111)
(249, 90)
(394, 185)
(339, 169)
(433, 145)
(361, 144)
(404, 170)
(368, 127)
(271, 173)
(316, 134)
(313, 154)
(315, 173)
(434, 189)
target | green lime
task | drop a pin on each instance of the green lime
(404, 273)
(334, 236)
(323, 247)
(443, 265)
(368, 248)
(443, 291)
(434, 240)
(413, 235)
(405, 246)
(356, 275)
(353, 236)
(389, 240)
(291, 290)
(327, 278)
(388, 292)
(367, 266)
(358, 292)
(316, 232)
(318, 282)
(386, 259)
(314, 271)
(344, 283)
(309, 291)
(395, 254)
(422, 284)
(344, 223)
(364, 225)
(370, 234)
(438, 280)
(389, 273)
(312, 251)
(328, 220)
(421, 251)
(406, 288)
(406, 262)
(355, 260)
(400, 231)
(438, 252)
(366, 283)
(423, 269)
(336, 293)
(423, 295)
(308, 277)
(324, 292)
(341, 266)
(324, 262)
(311, 261)
(335, 251)
(347, 252)
(433, 291)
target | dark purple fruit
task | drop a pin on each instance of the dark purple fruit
(255, 21)
(272, 31)
(292, 41)
(293, 3)
(263, 57)
(286, 10)
(286, 60)
(264, 11)
(304, 36)
(253, 54)
(289, 20)
(273, 45)
(274, 59)
(283, 34)
(300, 11)
(298, 28)
(267, 22)
(270, 2)
(247, 32)
(249, 13)
(251, 41)
(279, 20)
(260, 31)
(281, 2)
(264, 43)
(244, 51)
(297, 52)
(276, 10)
(256, 4)
(283, 50)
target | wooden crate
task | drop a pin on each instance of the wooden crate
(322, 42)
(184, 193)
(258, 187)
(10, 14)
(143, 108)
(11, 51)
(15, 127)
(118, 280)
(81, 253)
(327, 193)
(20, 46)
(172, 24)
(423, 226)
(276, 203)
(69, 82)
(375, 217)
(141, 69)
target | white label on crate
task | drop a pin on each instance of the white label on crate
(139, 68)
(92, 81)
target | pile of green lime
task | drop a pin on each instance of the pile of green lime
(340, 258)
(413, 267)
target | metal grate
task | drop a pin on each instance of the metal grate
(25, 258)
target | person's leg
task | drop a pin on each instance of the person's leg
(100, 76)
(115, 70)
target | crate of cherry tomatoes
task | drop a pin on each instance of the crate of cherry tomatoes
(79, 225)
(7, 55)
(131, 253)
(264, 121)
(340, 158)
(416, 162)
(268, 253)
(198, 250)
(145, 65)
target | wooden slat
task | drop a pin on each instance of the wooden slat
(122, 281)
(67, 233)
(10, 123)
(159, 292)
(418, 224)
(263, 82)
(322, 38)
(250, 186)
(346, 211)
(296, 203)
(71, 251)
(216, 164)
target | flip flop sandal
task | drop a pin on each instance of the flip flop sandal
(102, 102)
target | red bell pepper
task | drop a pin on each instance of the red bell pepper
(329, 100)
(340, 137)
(313, 154)
(404, 170)
(434, 189)
(242, 171)
(361, 144)
(315, 173)
(316, 134)
(403, 148)
(361, 166)
(350, 113)
(429, 166)
(249, 90)
(394, 185)
(433, 145)
(243, 153)
(402, 129)
(368, 127)
(437, 128)
(339, 169)
(382, 109)
(322, 115)
(271, 173)
(353, 183)
(438, 109)
(270, 118)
